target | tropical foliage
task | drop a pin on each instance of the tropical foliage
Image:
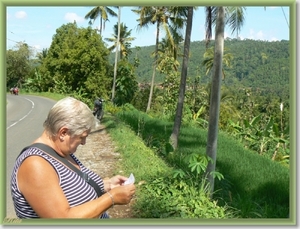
(102, 13)
(250, 80)
(76, 58)
(124, 40)
(18, 65)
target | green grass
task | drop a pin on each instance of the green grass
(253, 186)
(256, 182)
(137, 158)
(159, 195)
(256, 186)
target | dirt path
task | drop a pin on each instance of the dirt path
(99, 154)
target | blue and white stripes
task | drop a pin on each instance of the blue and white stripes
(76, 189)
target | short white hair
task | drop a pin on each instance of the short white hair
(71, 113)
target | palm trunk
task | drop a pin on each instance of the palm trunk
(100, 26)
(214, 109)
(177, 123)
(116, 58)
(154, 69)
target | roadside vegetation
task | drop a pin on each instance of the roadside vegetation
(165, 126)
(247, 185)
(170, 184)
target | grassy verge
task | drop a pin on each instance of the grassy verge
(137, 158)
(254, 186)
(159, 193)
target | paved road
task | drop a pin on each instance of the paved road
(24, 123)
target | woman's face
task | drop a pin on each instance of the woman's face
(72, 142)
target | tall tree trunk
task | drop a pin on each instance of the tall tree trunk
(154, 68)
(100, 26)
(116, 56)
(214, 109)
(178, 117)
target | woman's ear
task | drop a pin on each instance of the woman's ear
(62, 133)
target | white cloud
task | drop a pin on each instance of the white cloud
(20, 14)
(259, 35)
(37, 46)
(251, 34)
(71, 17)
(255, 35)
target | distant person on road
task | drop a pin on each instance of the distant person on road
(44, 187)
(98, 108)
(16, 90)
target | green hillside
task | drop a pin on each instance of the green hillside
(259, 64)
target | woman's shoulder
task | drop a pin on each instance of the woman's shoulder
(36, 163)
(35, 158)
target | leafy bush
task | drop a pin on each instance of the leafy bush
(173, 198)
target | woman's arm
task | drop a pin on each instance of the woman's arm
(39, 183)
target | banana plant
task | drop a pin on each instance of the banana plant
(263, 138)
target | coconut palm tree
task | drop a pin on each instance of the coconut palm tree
(102, 12)
(234, 17)
(116, 57)
(213, 122)
(42, 55)
(124, 40)
(178, 117)
(209, 60)
(218, 16)
(171, 19)
(166, 49)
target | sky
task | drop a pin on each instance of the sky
(37, 25)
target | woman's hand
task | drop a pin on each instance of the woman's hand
(123, 194)
(117, 180)
(114, 182)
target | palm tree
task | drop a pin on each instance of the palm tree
(124, 40)
(215, 98)
(217, 15)
(42, 55)
(178, 116)
(102, 12)
(209, 60)
(171, 19)
(234, 17)
(165, 49)
(116, 57)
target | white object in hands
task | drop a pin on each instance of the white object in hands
(130, 179)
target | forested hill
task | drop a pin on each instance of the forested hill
(258, 64)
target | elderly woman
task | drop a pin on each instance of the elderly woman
(43, 186)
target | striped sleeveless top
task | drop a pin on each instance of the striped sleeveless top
(76, 189)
